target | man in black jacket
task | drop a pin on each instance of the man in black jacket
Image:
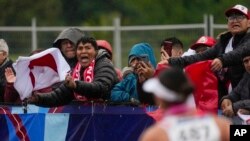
(92, 79)
(227, 51)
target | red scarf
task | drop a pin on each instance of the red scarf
(88, 76)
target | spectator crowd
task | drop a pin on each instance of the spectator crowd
(146, 81)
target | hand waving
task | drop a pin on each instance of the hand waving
(9, 75)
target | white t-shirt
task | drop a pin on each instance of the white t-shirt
(189, 52)
(229, 46)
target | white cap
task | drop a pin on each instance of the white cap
(154, 86)
(238, 8)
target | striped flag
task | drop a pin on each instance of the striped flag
(39, 71)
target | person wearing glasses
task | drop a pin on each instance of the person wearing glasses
(226, 53)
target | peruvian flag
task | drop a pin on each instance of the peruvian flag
(39, 71)
(206, 86)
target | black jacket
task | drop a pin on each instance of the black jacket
(240, 96)
(232, 59)
(104, 79)
(6, 63)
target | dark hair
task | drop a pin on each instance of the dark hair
(175, 80)
(175, 41)
(85, 40)
(245, 52)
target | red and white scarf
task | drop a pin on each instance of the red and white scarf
(88, 76)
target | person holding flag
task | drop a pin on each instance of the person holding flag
(42, 71)
(92, 78)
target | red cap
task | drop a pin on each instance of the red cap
(105, 45)
(204, 40)
(239, 9)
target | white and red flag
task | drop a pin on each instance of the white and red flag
(39, 71)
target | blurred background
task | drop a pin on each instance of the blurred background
(27, 25)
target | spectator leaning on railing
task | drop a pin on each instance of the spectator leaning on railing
(92, 79)
(227, 51)
(4, 63)
(239, 99)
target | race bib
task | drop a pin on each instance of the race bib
(192, 129)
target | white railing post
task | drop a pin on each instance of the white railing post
(117, 42)
(211, 22)
(205, 21)
(34, 34)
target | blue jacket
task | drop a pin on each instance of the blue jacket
(127, 88)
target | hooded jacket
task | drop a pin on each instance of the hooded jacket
(142, 48)
(129, 88)
(104, 79)
(72, 34)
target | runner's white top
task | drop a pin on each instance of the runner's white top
(191, 128)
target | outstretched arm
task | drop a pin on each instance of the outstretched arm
(187, 60)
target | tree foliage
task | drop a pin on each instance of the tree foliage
(20, 13)
(101, 12)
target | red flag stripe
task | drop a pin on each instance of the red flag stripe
(46, 60)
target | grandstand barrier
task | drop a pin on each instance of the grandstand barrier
(94, 122)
